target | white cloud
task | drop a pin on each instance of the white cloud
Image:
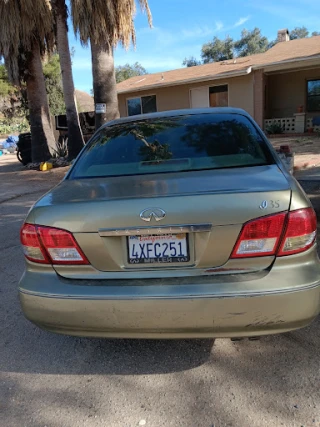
(195, 32)
(164, 37)
(219, 26)
(241, 21)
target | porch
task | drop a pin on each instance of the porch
(291, 100)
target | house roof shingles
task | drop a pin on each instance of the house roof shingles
(281, 52)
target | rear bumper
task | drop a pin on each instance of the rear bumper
(98, 311)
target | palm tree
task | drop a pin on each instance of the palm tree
(75, 137)
(105, 23)
(26, 34)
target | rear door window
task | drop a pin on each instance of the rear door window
(173, 144)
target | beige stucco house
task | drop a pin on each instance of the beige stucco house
(282, 83)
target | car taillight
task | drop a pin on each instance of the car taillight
(280, 234)
(48, 245)
(32, 247)
(260, 237)
(301, 231)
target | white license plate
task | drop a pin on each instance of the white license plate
(167, 248)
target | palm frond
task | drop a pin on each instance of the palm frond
(24, 22)
(108, 21)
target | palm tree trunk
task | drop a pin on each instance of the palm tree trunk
(42, 137)
(75, 137)
(104, 82)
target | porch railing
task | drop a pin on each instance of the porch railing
(290, 125)
(287, 124)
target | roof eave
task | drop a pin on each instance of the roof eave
(267, 67)
(186, 81)
(280, 65)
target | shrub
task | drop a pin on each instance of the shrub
(8, 127)
(274, 128)
(61, 149)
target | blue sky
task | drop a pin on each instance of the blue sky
(180, 27)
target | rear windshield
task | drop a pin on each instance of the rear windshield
(173, 144)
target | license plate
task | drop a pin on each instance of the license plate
(155, 249)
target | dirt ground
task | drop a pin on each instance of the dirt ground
(305, 148)
(299, 145)
(16, 180)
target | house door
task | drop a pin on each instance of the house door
(204, 97)
(199, 97)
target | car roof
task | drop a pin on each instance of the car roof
(175, 113)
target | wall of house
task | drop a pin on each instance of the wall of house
(259, 96)
(287, 91)
(240, 91)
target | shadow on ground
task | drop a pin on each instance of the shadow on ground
(38, 351)
(215, 385)
(11, 167)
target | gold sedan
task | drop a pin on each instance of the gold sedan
(173, 225)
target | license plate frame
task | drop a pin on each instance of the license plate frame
(167, 260)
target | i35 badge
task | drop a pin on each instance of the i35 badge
(150, 213)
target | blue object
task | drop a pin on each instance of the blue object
(316, 121)
(12, 138)
(11, 141)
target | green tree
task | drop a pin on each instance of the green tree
(299, 33)
(5, 87)
(105, 24)
(217, 50)
(251, 43)
(125, 72)
(191, 62)
(13, 100)
(315, 33)
(26, 33)
(52, 74)
(272, 43)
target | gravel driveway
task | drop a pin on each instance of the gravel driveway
(57, 381)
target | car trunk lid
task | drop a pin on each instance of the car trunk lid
(209, 206)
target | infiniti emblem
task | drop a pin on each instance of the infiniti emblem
(149, 213)
(264, 205)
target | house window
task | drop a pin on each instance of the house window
(313, 95)
(218, 96)
(142, 105)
